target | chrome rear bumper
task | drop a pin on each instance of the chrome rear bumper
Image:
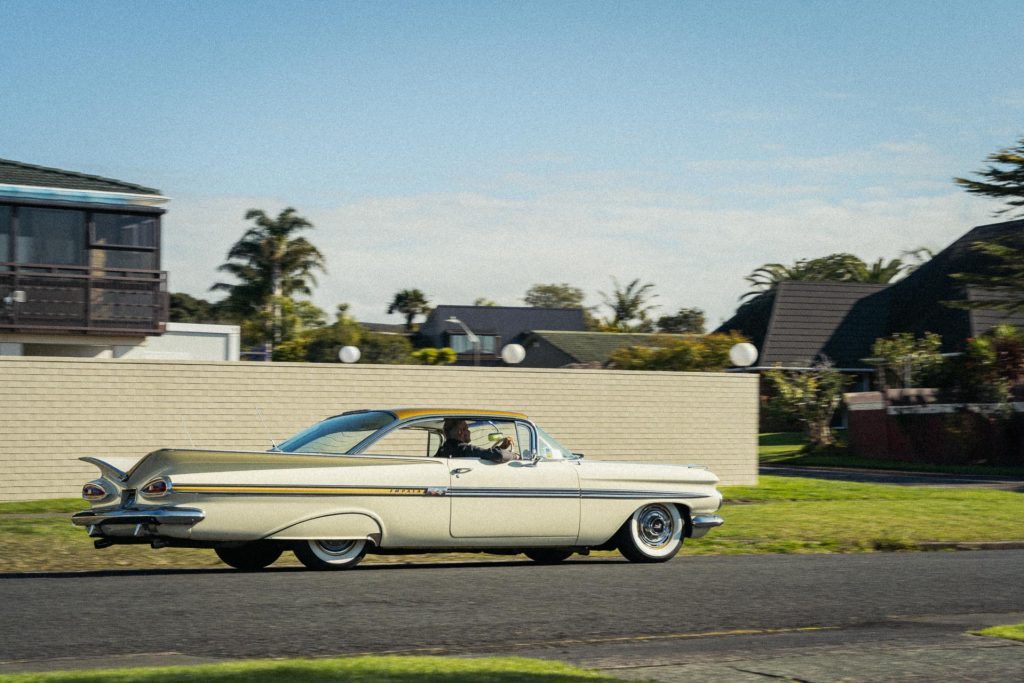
(146, 521)
(701, 524)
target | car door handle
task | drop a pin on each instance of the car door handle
(462, 470)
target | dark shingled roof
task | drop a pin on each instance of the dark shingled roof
(592, 347)
(508, 322)
(919, 301)
(18, 173)
(802, 320)
(839, 320)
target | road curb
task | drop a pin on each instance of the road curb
(970, 545)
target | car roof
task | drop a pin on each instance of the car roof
(404, 413)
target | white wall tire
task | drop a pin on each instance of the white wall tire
(654, 533)
(327, 555)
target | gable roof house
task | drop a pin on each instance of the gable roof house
(800, 321)
(495, 327)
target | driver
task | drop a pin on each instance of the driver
(456, 444)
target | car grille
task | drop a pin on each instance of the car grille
(127, 498)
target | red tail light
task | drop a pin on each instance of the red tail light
(156, 488)
(94, 491)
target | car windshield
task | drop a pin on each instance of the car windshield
(551, 449)
(337, 434)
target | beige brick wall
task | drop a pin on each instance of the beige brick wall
(52, 411)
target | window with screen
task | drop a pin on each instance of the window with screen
(51, 236)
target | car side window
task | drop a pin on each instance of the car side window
(413, 440)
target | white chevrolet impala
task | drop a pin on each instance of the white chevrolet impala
(379, 481)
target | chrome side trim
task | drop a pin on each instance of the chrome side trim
(459, 492)
(135, 516)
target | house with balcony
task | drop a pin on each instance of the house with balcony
(79, 263)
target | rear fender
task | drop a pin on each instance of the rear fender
(109, 471)
(348, 525)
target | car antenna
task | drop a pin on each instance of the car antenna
(187, 433)
(260, 414)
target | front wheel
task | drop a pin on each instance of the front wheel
(325, 555)
(548, 555)
(654, 533)
(250, 556)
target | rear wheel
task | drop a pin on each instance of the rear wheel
(548, 555)
(250, 556)
(654, 533)
(325, 555)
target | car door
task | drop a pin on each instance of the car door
(516, 499)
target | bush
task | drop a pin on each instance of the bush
(709, 353)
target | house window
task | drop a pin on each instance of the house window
(5, 235)
(460, 343)
(127, 231)
(51, 236)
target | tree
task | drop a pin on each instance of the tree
(484, 301)
(630, 306)
(410, 303)
(686, 320)
(811, 396)
(1000, 286)
(1003, 179)
(554, 296)
(878, 272)
(708, 354)
(908, 361)
(840, 267)
(185, 308)
(271, 264)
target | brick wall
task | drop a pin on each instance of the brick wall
(52, 411)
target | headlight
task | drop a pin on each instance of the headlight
(94, 491)
(156, 488)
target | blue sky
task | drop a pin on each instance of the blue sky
(472, 149)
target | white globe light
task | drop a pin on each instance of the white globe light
(513, 353)
(743, 355)
(349, 354)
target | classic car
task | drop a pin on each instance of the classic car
(372, 481)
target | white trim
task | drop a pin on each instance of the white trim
(83, 196)
(947, 408)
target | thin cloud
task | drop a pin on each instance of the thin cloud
(461, 246)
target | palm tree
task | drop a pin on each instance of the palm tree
(410, 303)
(270, 264)
(630, 303)
(837, 267)
(880, 272)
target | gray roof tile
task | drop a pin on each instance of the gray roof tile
(19, 173)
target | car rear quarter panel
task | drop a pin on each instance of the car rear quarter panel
(250, 496)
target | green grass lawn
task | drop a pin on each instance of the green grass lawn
(386, 669)
(1011, 632)
(781, 515)
(786, 448)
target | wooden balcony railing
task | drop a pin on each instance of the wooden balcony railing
(82, 299)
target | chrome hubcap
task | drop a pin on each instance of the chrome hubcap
(654, 526)
(336, 547)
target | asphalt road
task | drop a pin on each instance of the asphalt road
(607, 613)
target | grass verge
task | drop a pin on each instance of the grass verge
(396, 669)
(1010, 632)
(781, 515)
(786, 448)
